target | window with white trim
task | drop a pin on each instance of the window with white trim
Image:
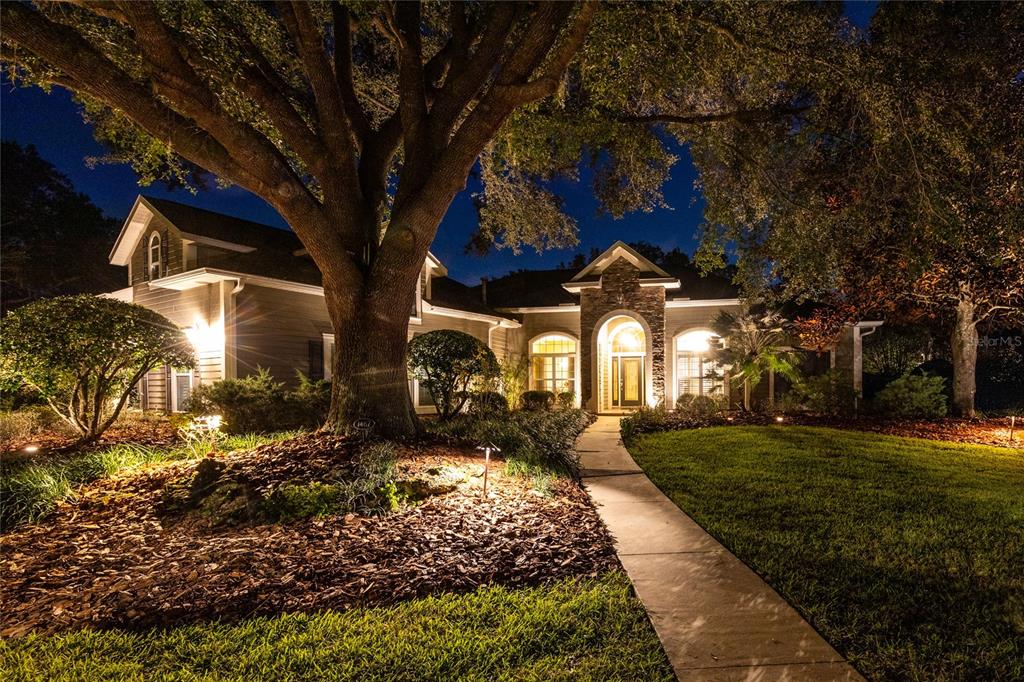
(153, 262)
(696, 371)
(553, 363)
(181, 389)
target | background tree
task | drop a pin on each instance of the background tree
(447, 363)
(359, 122)
(903, 192)
(752, 344)
(84, 355)
(54, 240)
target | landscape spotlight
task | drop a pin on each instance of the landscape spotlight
(779, 418)
(31, 448)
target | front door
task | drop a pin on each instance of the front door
(627, 381)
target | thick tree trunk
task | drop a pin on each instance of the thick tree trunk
(369, 377)
(965, 358)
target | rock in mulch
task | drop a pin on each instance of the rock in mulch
(110, 560)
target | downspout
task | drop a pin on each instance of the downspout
(229, 361)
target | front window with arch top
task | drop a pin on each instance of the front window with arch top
(553, 363)
(696, 371)
(153, 257)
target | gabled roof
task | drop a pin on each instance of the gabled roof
(618, 250)
(200, 225)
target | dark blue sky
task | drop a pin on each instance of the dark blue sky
(54, 125)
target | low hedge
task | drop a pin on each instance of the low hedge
(530, 441)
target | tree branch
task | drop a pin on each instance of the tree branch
(547, 81)
(697, 118)
(336, 129)
(343, 70)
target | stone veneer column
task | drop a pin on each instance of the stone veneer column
(620, 290)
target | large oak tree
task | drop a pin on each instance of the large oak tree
(359, 122)
(903, 192)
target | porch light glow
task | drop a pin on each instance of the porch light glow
(205, 337)
(697, 341)
(628, 339)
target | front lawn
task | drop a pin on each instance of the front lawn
(576, 629)
(905, 554)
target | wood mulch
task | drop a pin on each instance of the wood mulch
(150, 432)
(978, 431)
(110, 559)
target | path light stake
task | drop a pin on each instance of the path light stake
(487, 447)
(1013, 422)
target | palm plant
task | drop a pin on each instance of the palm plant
(751, 344)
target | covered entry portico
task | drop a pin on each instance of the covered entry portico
(623, 363)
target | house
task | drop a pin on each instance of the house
(618, 333)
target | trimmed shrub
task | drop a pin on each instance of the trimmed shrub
(538, 400)
(308, 403)
(447, 363)
(691, 405)
(913, 397)
(830, 393)
(644, 420)
(255, 403)
(532, 442)
(260, 404)
(484, 403)
(566, 400)
(84, 355)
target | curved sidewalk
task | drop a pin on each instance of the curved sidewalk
(716, 619)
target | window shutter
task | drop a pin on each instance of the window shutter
(316, 360)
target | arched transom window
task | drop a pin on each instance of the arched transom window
(553, 363)
(696, 371)
(153, 256)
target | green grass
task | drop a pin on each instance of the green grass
(29, 491)
(906, 554)
(573, 630)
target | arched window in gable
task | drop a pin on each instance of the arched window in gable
(154, 264)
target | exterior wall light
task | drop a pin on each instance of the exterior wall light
(205, 337)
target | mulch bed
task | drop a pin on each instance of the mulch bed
(149, 432)
(972, 431)
(979, 431)
(110, 560)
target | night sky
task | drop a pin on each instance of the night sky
(54, 125)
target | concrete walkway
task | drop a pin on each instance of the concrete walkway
(716, 618)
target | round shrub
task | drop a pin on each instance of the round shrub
(84, 354)
(691, 405)
(447, 363)
(913, 397)
(538, 400)
(566, 400)
(483, 403)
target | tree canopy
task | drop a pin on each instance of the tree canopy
(359, 122)
(54, 240)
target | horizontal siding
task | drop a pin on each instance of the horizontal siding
(274, 330)
(679, 320)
